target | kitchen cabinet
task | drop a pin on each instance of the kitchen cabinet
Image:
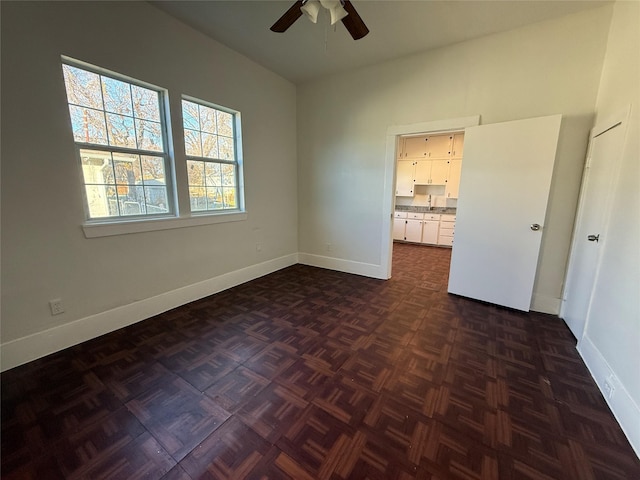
(407, 226)
(447, 228)
(430, 160)
(431, 172)
(413, 230)
(425, 146)
(457, 149)
(439, 172)
(404, 178)
(414, 147)
(430, 228)
(399, 223)
(422, 174)
(453, 179)
(439, 146)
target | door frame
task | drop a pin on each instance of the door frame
(389, 203)
(620, 119)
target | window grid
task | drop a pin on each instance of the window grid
(120, 180)
(212, 166)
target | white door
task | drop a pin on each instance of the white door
(605, 150)
(500, 218)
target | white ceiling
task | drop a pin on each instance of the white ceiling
(397, 28)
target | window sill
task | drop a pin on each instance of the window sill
(95, 229)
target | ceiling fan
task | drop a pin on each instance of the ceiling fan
(341, 10)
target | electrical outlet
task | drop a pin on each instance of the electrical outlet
(56, 306)
(258, 247)
(328, 247)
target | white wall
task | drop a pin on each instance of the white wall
(44, 252)
(611, 341)
(547, 68)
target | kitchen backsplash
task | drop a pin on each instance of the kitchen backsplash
(421, 199)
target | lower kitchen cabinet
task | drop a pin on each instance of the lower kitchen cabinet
(447, 227)
(413, 231)
(399, 224)
(430, 228)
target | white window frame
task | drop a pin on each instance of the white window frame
(236, 162)
(176, 217)
(165, 154)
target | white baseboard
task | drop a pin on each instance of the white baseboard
(624, 408)
(23, 350)
(545, 304)
(341, 265)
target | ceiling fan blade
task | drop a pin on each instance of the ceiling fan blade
(288, 19)
(353, 22)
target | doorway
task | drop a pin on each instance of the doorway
(605, 150)
(501, 232)
(393, 135)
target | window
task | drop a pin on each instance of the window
(210, 138)
(119, 130)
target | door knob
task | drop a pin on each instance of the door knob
(535, 227)
(593, 238)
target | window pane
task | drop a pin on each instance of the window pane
(129, 206)
(207, 119)
(97, 167)
(213, 174)
(209, 145)
(195, 171)
(102, 201)
(127, 169)
(225, 123)
(149, 135)
(214, 198)
(156, 199)
(83, 88)
(146, 103)
(153, 170)
(88, 125)
(225, 146)
(121, 131)
(190, 115)
(117, 96)
(229, 197)
(198, 198)
(192, 143)
(228, 175)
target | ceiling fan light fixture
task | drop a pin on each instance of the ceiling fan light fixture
(340, 10)
(336, 9)
(311, 8)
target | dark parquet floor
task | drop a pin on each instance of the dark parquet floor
(313, 374)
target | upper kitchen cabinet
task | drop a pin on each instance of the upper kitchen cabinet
(425, 146)
(453, 181)
(439, 146)
(405, 178)
(413, 147)
(431, 172)
(457, 149)
(434, 159)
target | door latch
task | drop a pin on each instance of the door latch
(593, 238)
